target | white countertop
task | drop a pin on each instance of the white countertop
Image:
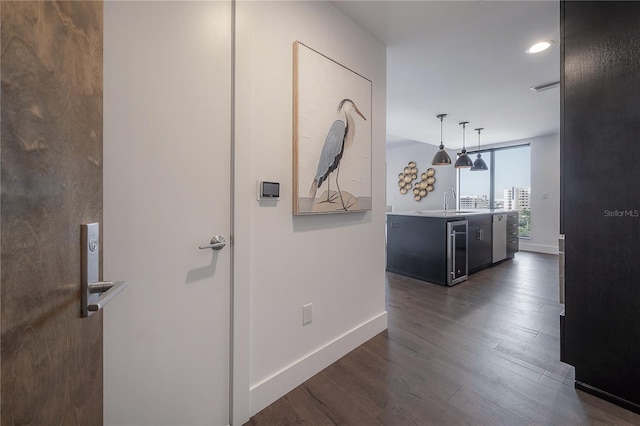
(448, 213)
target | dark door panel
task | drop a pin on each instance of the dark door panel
(600, 127)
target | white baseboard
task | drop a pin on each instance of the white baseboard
(276, 386)
(538, 248)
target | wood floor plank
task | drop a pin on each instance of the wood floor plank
(338, 405)
(278, 413)
(483, 352)
(597, 410)
(416, 367)
(484, 410)
(422, 413)
(307, 408)
(534, 354)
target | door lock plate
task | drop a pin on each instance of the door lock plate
(94, 293)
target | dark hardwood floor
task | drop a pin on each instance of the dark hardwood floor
(483, 352)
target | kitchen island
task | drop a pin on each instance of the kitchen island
(444, 247)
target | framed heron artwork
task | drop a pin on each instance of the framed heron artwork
(331, 135)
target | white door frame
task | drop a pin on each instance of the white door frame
(240, 395)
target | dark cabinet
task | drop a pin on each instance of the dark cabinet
(417, 247)
(428, 248)
(445, 248)
(479, 242)
(513, 241)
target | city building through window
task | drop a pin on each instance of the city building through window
(506, 185)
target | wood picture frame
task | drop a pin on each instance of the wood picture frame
(332, 124)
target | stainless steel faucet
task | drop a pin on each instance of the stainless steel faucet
(453, 192)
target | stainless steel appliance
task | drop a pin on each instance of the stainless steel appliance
(457, 254)
(499, 237)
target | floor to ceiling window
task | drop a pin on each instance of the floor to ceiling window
(506, 185)
(475, 186)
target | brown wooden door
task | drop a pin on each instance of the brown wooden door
(51, 182)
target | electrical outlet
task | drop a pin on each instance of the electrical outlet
(306, 314)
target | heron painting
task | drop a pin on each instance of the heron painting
(332, 136)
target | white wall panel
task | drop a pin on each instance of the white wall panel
(336, 262)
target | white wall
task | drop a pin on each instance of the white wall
(545, 195)
(401, 153)
(336, 262)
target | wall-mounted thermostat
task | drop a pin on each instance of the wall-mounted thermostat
(268, 190)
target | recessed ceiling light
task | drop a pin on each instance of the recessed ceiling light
(539, 47)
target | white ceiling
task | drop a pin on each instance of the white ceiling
(466, 59)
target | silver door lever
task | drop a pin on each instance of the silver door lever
(217, 243)
(107, 290)
(95, 293)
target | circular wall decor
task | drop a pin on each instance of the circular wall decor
(406, 177)
(427, 180)
(410, 180)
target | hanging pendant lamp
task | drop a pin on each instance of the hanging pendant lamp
(441, 158)
(479, 163)
(463, 161)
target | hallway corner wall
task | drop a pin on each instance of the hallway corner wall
(336, 262)
(545, 195)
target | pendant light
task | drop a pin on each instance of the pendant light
(441, 158)
(479, 163)
(463, 161)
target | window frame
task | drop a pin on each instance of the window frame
(491, 153)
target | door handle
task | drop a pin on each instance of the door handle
(217, 243)
(107, 290)
(95, 293)
(453, 255)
